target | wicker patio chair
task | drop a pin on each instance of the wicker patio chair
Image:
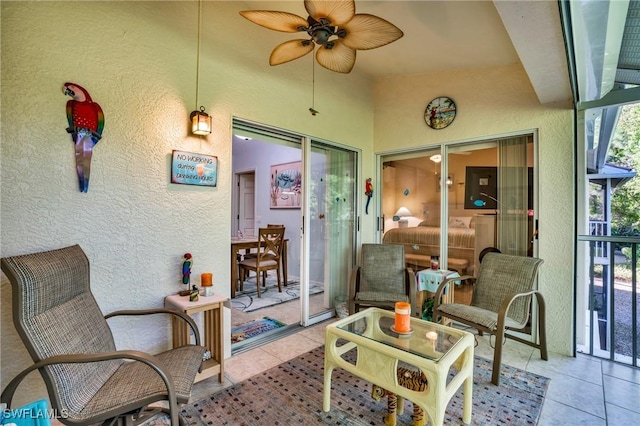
(382, 279)
(72, 346)
(501, 301)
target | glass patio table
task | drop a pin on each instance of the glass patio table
(432, 348)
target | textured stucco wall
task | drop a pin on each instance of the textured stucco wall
(137, 60)
(496, 102)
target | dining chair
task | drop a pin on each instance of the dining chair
(382, 279)
(72, 346)
(501, 301)
(268, 257)
(249, 254)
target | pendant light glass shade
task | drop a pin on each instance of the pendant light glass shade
(200, 122)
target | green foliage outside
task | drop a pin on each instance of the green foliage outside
(625, 151)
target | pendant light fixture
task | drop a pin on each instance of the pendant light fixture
(200, 120)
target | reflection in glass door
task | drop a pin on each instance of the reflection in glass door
(331, 225)
(456, 200)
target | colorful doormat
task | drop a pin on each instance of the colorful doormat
(291, 393)
(254, 328)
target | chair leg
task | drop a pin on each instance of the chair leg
(258, 281)
(279, 281)
(497, 355)
(241, 272)
(542, 327)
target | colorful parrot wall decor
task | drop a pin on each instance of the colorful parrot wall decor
(369, 193)
(86, 122)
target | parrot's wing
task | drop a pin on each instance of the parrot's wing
(100, 116)
(70, 113)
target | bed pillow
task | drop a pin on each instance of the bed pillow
(459, 221)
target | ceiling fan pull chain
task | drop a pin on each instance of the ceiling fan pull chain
(312, 110)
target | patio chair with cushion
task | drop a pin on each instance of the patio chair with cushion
(501, 301)
(382, 279)
(72, 346)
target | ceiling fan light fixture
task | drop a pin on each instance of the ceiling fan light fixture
(333, 26)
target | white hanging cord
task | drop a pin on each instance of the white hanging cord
(313, 84)
(198, 55)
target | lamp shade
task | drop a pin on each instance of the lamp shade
(403, 212)
(436, 158)
(200, 122)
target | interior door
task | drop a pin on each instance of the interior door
(246, 204)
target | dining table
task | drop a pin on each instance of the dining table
(240, 245)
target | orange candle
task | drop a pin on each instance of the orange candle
(403, 317)
(206, 279)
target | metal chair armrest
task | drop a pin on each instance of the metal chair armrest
(506, 304)
(412, 283)
(443, 284)
(182, 315)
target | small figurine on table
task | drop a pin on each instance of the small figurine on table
(193, 296)
(186, 269)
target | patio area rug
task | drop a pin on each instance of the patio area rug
(248, 300)
(254, 328)
(291, 393)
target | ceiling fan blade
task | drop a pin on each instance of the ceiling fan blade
(366, 31)
(339, 58)
(290, 50)
(338, 12)
(278, 21)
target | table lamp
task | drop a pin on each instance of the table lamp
(401, 216)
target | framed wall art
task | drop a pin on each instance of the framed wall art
(189, 168)
(286, 186)
(481, 188)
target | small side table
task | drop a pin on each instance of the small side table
(428, 281)
(213, 327)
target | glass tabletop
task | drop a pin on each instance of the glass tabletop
(426, 339)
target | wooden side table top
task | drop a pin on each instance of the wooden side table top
(182, 302)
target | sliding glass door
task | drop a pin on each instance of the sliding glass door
(455, 201)
(308, 186)
(331, 225)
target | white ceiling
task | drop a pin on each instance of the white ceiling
(454, 35)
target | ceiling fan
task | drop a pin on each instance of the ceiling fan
(332, 25)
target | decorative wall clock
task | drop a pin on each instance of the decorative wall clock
(440, 112)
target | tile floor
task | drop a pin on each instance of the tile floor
(583, 390)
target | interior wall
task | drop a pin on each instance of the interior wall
(492, 103)
(259, 156)
(138, 61)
